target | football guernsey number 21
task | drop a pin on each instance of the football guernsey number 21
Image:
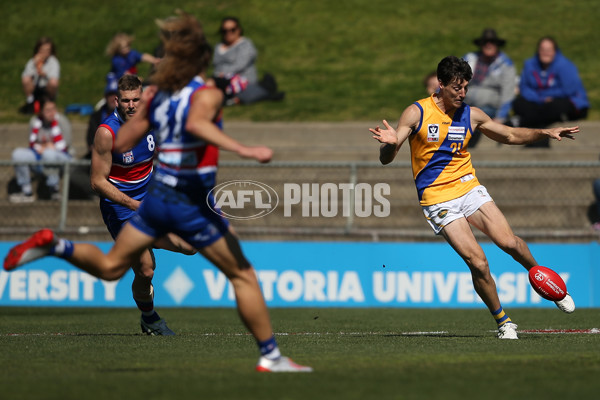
(456, 147)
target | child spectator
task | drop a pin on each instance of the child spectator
(124, 59)
(49, 138)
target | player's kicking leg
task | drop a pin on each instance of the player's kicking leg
(39, 245)
(501, 233)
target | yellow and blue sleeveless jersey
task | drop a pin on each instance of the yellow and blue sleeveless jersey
(441, 164)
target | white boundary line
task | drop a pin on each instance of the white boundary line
(418, 333)
(591, 331)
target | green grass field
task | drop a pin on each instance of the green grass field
(81, 353)
(351, 60)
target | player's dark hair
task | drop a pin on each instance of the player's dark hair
(451, 68)
(129, 82)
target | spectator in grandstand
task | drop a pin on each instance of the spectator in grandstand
(550, 90)
(49, 139)
(492, 88)
(234, 69)
(438, 131)
(121, 180)
(431, 83)
(179, 198)
(124, 59)
(106, 109)
(41, 76)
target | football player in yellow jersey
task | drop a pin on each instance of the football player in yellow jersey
(438, 129)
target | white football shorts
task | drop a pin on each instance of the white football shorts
(441, 214)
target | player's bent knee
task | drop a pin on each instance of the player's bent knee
(145, 274)
(479, 266)
(114, 272)
(245, 275)
(510, 244)
(145, 271)
(112, 275)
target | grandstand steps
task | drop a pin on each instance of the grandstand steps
(563, 206)
(351, 141)
(341, 141)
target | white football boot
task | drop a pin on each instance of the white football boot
(508, 331)
(282, 364)
(566, 305)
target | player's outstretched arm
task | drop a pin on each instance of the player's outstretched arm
(205, 107)
(512, 135)
(392, 139)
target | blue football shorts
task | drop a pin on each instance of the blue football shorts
(188, 214)
(115, 216)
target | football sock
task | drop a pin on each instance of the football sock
(269, 348)
(148, 314)
(501, 317)
(63, 249)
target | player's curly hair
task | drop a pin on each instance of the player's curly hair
(451, 68)
(187, 52)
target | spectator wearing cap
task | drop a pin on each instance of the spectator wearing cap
(550, 90)
(108, 106)
(492, 88)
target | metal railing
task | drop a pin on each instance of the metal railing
(542, 200)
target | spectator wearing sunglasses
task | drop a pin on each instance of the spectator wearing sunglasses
(234, 67)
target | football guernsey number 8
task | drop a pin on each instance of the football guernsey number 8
(151, 144)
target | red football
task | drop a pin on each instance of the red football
(547, 283)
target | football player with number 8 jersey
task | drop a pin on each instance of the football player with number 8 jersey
(121, 180)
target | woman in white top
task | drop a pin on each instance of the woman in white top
(41, 75)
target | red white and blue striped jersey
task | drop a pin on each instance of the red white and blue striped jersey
(131, 170)
(183, 159)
